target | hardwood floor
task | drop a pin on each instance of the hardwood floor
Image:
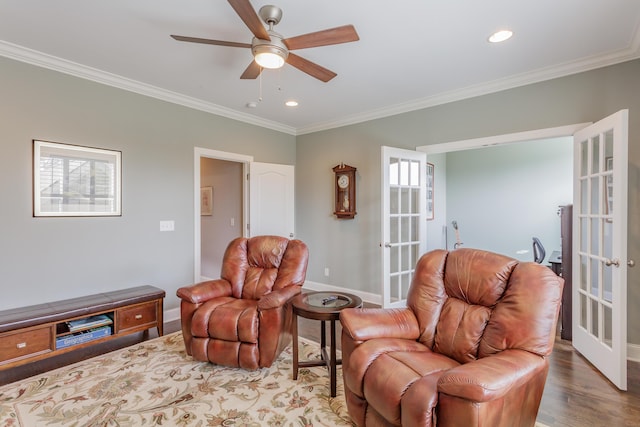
(576, 394)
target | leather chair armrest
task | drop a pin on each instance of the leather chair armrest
(362, 324)
(204, 291)
(279, 297)
(491, 377)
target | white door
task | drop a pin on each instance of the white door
(600, 246)
(403, 220)
(271, 199)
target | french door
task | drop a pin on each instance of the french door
(600, 246)
(403, 221)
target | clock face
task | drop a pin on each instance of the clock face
(343, 181)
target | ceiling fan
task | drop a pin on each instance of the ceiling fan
(271, 50)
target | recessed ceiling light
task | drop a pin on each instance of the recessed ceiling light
(291, 103)
(500, 36)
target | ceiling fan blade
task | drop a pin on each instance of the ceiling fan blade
(210, 41)
(252, 71)
(248, 14)
(311, 68)
(344, 34)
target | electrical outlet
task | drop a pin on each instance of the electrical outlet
(167, 225)
(326, 271)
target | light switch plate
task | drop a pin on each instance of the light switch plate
(167, 225)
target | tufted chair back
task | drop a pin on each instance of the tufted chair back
(256, 266)
(466, 302)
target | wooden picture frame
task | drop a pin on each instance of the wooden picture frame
(206, 201)
(75, 180)
(430, 192)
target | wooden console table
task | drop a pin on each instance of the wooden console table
(31, 333)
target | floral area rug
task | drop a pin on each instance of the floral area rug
(156, 383)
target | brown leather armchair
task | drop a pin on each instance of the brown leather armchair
(470, 348)
(243, 319)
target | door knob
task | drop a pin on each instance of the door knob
(611, 262)
(631, 263)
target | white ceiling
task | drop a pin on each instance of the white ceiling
(411, 53)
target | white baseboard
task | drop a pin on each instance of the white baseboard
(633, 352)
(171, 315)
(366, 296)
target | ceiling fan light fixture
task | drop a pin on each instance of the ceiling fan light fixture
(270, 60)
(270, 53)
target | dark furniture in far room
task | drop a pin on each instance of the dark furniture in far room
(40, 331)
(243, 319)
(323, 306)
(566, 270)
(470, 349)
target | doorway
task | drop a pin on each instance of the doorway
(220, 219)
(474, 226)
(231, 161)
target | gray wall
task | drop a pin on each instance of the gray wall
(351, 248)
(46, 259)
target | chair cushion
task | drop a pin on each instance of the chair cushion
(227, 319)
(401, 384)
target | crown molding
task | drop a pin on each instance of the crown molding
(40, 59)
(486, 88)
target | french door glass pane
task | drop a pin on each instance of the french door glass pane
(405, 229)
(595, 264)
(594, 318)
(595, 236)
(394, 260)
(595, 155)
(394, 229)
(394, 287)
(583, 272)
(393, 200)
(404, 172)
(415, 200)
(583, 310)
(394, 170)
(405, 200)
(595, 199)
(584, 158)
(608, 326)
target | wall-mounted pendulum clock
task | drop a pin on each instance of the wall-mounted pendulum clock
(345, 188)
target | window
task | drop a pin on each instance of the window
(70, 180)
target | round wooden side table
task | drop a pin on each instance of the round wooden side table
(323, 306)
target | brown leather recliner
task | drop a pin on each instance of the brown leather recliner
(470, 348)
(243, 319)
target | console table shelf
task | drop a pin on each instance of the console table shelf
(32, 333)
